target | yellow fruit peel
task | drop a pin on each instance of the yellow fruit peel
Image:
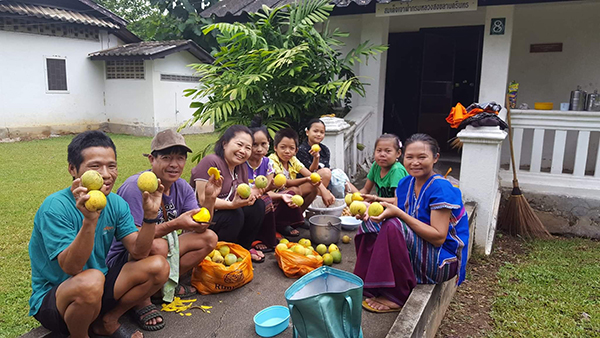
(213, 171)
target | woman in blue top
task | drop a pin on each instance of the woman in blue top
(430, 216)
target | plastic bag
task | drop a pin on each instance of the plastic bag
(210, 277)
(295, 265)
(337, 184)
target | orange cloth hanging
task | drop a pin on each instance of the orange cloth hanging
(459, 114)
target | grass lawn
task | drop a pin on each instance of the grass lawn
(554, 291)
(30, 171)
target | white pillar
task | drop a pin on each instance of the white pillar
(496, 55)
(479, 179)
(376, 31)
(334, 140)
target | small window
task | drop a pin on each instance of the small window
(179, 78)
(125, 69)
(56, 71)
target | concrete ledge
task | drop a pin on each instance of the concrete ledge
(426, 306)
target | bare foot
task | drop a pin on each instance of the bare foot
(382, 303)
(260, 247)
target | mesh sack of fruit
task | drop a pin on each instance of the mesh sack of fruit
(295, 264)
(216, 276)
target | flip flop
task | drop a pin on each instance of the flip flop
(257, 243)
(141, 316)
(254, 252)
(121, 332)
(368, 307)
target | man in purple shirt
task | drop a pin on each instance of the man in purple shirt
(183, 251)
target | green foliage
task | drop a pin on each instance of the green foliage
(277, 65)
(29, 173)
(159, 20)
(554, 292)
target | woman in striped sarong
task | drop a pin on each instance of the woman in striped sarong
(422, 238)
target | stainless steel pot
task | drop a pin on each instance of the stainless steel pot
(592, 102)
(325, 229)
(577, 101)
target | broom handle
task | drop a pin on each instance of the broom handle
(510, 139)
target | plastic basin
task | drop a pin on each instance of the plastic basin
(272, 321)
(317, 207)
(350, 223)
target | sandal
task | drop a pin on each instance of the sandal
(260, 246)
(143, 315)
(121, 332)
(288, 232)
(188, 291)
(253, 252)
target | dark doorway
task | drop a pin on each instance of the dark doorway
(428, 72)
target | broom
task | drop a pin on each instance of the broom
(519, 219)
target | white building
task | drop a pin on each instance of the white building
(446, 51)
(71, 65)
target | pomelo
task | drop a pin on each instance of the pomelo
(97, 200)
(92, 180)
(375, 209)
(147, 181)
(243, 190)
(327, 259)
(261, 182)
(279, 180)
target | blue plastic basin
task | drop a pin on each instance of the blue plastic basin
(272, 321)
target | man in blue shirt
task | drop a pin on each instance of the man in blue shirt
(73, 291)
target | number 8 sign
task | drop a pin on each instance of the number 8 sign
(497, 26)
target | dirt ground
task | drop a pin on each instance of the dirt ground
(469, 311)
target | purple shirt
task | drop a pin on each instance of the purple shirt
(265, 168)
(181, 198)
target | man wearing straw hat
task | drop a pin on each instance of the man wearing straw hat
(168, 155)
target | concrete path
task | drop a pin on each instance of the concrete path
(233, 312)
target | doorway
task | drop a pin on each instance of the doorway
(428, 72)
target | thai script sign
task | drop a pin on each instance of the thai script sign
(424, 7)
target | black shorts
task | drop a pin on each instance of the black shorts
(51, 319)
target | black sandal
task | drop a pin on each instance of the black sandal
(288, 232)
(121, 332)
(187, 291)
(144, 314)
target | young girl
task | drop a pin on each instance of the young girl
(423, 234)
(285, 162)
(386, 171)
(281, 214)
(318, 161)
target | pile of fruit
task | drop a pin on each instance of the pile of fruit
(303, 247)
(356, 206)
(223, 255)
(93, 181)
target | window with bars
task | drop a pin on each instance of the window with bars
(179, 78)
(125, 69)
(56, 74)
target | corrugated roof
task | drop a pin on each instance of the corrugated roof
(57, 14)
(239, 7)
(148, 50)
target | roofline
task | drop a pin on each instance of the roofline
(105, 11)
(192, 47)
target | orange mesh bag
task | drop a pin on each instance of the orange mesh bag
(210, 277)
(295, 265)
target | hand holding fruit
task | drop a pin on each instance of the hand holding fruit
(369, 198)
(328, 198)
(151, 200)
(187, 222)
(213, 186)
(81, 197)
(239, 201)
(287, 198)
(389, 212)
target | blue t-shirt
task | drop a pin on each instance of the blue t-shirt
(55, 226)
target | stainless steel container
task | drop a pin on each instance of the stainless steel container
(325, 229)
(577, 101)
(592, 102)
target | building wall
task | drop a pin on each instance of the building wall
(412, 23)
(171, 107)
(550, 77)
(26, 105)
(130, 102)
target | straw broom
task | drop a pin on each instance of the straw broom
(519, 219)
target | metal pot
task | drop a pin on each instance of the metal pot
(577, 101)
(593, 102)
(325, 229)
